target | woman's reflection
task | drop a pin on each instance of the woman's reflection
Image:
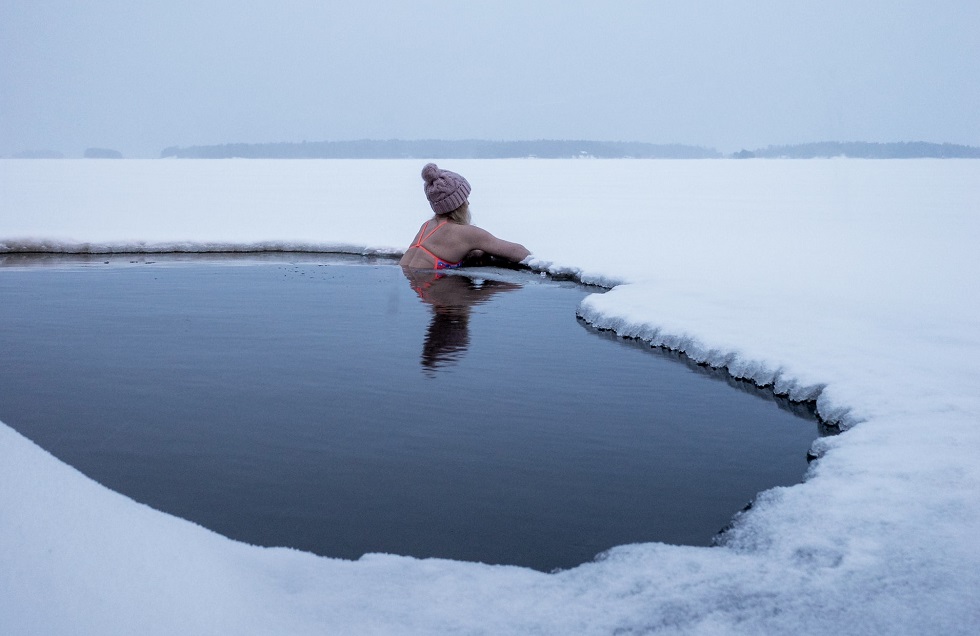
(451, 297)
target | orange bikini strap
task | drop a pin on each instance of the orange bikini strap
(425, 237)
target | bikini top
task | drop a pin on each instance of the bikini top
(423, 237)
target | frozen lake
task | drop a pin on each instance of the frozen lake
(845, 281)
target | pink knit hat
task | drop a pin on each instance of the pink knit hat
(445, 190)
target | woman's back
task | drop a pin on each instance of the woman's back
(446, 239)
(448, 242)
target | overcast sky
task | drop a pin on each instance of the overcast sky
(139, 76)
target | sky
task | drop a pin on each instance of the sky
(141, 76)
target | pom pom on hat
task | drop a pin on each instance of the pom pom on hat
(430, 172)
(444, 189)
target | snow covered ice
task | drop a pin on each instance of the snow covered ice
(852, 282)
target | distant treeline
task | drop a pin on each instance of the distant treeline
(864, 150)
(443, 149)
(560, 149)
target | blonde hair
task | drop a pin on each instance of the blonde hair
(460, 215)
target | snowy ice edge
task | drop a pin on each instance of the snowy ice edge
(49, 246)
(570, 272)
(736, 365)
(762, 375)
(42, 246)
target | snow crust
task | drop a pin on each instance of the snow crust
(846, 281)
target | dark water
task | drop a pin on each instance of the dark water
(335, 406)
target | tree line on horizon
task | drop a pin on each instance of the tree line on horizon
(443, 149)
(542, 148)
(560, 149)
(863, 150)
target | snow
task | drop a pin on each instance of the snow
(848, 281)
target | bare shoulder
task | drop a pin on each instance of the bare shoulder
(480, 239)
(474, 233)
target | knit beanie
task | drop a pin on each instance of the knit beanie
(445, 190)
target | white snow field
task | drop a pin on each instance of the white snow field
(853, 282)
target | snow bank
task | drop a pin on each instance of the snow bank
(842, 280)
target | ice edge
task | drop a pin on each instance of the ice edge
(39, 246)
(758, 373)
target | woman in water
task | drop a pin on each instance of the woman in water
(447, 239)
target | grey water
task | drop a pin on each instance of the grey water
(340, 406)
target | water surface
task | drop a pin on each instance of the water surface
(337, 406)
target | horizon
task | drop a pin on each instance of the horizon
(53, 153)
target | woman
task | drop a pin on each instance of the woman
(448, 239)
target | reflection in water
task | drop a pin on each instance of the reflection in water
(451, 297)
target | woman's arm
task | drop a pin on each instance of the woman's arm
(480, 239)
